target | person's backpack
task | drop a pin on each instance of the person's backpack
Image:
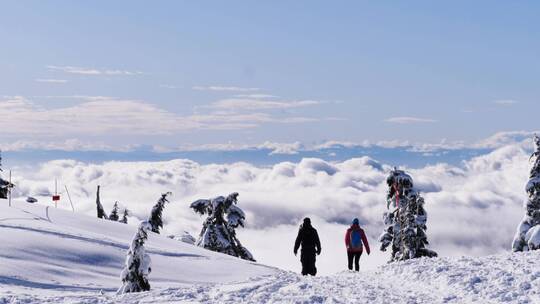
(356, 239)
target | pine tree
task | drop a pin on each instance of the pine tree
(4, 185)
(156, 220)
(100, 211)
(528, 231)
(114, 213)
(125, 216)
(218, 232)
(138, 263)
(406, 223)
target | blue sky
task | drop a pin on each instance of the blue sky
(189, 72)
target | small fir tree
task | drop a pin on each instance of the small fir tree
(138, 263)
(156, 220)
(406, 222)
(528, 231)
(114, 213)
(100, 211)
(125, 216)
(4, 184)
(218, 232)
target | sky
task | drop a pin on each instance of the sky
(302, 107)
(107, 75)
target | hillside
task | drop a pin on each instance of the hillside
(55, 256)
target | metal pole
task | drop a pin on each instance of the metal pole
(9, 188)
(55, 192)
(69, 197)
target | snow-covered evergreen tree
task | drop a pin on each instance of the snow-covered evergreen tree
(100, 211)
(406, 219)
(528, 231)
(156, 220)
(114, 213)
(4, 184)
(218, 232)
(125, 216)
(138, 263)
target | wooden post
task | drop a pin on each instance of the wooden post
(69, 197)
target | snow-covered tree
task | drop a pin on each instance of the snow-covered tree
(114, 213)
(406, 219)
(125, 216)
(218, 232)
(138, 263)
(156, 220)
(100, 211)
(5, 185)
(528, 231)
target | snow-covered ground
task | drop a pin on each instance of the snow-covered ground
(55, 256)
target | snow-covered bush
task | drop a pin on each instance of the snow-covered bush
(218, 232)
(138, 263)
(406, 219)
(100, 211)
(528, 232)
(186, 237)
(156, 220)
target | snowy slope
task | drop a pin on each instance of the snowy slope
(47, 250)
(55, 256)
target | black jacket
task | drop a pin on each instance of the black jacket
(309, 239)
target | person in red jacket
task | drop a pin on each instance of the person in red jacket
(354, 238)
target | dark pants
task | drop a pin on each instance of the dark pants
(308, 263)
(356, 257)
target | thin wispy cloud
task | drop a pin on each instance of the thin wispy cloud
(48, 80)
(92, 71)
(409, 120)
(256, 96)
(257, 104)
(101, 115)
(169, 86)
(505, 102)
(225, 89)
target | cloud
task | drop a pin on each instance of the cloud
(409, 120)
(169, 86)
(71, 144)
(257, 104)
(473, 209)
(506, 102)
(225, 89)
(59, 81)
(256, 96)
(98, 115)
(92, 71)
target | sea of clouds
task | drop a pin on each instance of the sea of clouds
(473, 208)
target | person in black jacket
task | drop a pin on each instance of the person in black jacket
(311, 245)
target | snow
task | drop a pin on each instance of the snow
(48, 250)
(56, 256)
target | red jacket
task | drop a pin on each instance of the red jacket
(348, 239)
